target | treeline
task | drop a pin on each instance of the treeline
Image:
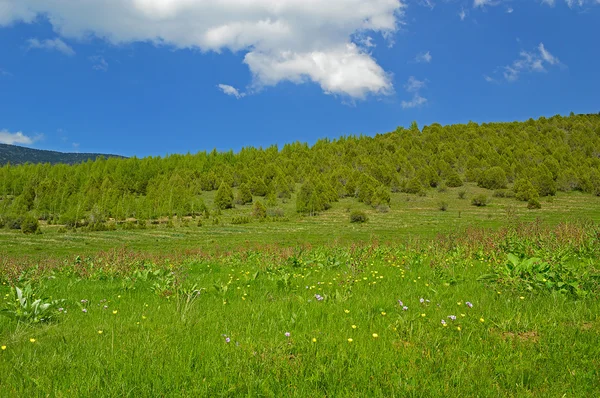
(526, 159)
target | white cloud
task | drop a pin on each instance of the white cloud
(230, 90)
(483, 3)
(529, 62)
(17, 138)
(416, 101)
(51, 45)
(292, 40)
(414, 86)
(572, 3)
(462, 14)
(424, 57)
(99, 62)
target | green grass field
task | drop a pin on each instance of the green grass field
(314, 306)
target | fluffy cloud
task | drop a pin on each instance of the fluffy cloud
(16, 138)
(424, 57)
(51, 45)
(284, 40)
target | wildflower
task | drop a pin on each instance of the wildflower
(452, 317)
(421, 300)
(463, 315)
(61, 309)
(287, 334)
(143, 317)
(84, 310)
(458, 303)
(427, 301)
(481, 320)
(84, 301)
(423, 315)
(353, 326)
(3, 347)
(99, 331)
(383, 314)
(400, 303)
(444, 324)
(350, 340)
(319, 297)
(405, 308)
(522, 298)
(115, 312)
(469, 304)
(314, 339)
(458, 328)
(227, 340)
(105, 307)
(375, 335)
(32, 340)
(347, 311)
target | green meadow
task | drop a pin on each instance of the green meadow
(497, 301)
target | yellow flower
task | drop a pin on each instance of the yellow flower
(115, 312)
(499, 292)
(3, 347)
(522, 298)
(353, 326)
(143, 317)
(314, 339)
(458, 328)
(119, 296)
(350, 340)
(347, 311)
(463, 315)
(32, 340)
(383, 313)
(481, 320)
(423, 315)
(375, 335)
(459, 303)
(99, 331)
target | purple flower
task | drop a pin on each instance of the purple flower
(469, 304)
(319, 297)
(227, 340)
(443, 322)
(421, 300)
(400, 303)
(84, 310)
(452, 317)
(405, 308)
(61, 309)
(287, 334)
(84, 301)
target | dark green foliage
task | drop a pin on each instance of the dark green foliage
(314, 198)
(493, 178)
(443, 206)
(462, 194)
(381, 197)
(358, 216)
(524, 190)
(534, 204)
(224, 197)
(479, 200)
(240, 220)
(258, 187)
(16, 155)
(414, 186)
(259, 210)
(244, 195)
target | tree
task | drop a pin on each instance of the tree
(259, 210)
(493, 178)
(454, 180)
(244, 195)
(224, 197)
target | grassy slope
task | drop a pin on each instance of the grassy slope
(410, 217)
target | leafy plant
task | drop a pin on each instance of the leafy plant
(26, 308)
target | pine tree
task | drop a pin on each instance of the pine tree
(224, 197)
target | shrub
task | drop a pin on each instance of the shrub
(224, 197)
(414, 186)
(534, 204)
(259, 210)
(493, 178)
(240, 220)
(443, 206)
(275, 212)
(244, 195)
(454, 180)
(442, 188)
(30, 225)
(462, 194)
(479, 200)
(382, 208)
(358, 216)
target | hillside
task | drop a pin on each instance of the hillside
(16, 155)
(521, 160)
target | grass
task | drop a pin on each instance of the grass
(216, 326)
(409, 217)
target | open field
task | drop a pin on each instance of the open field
(362, 321)
(409, 217)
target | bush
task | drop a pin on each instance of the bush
(414, 186)
(259, 210)
(454, 180)
(443, 206)
(30, 225)
(224, 197)
(534, 204)
(479, 200)
(494, 178)
(442, 188)
(240, 220)
(275, 212)
(382, 208)
(358, 216)
(462, 194)
(244, 195)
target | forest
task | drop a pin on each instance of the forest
(525, 160)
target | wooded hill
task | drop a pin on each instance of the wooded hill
(521, 159)
(16, 155)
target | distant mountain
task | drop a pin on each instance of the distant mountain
(19, 155)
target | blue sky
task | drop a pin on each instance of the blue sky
(152, 77)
